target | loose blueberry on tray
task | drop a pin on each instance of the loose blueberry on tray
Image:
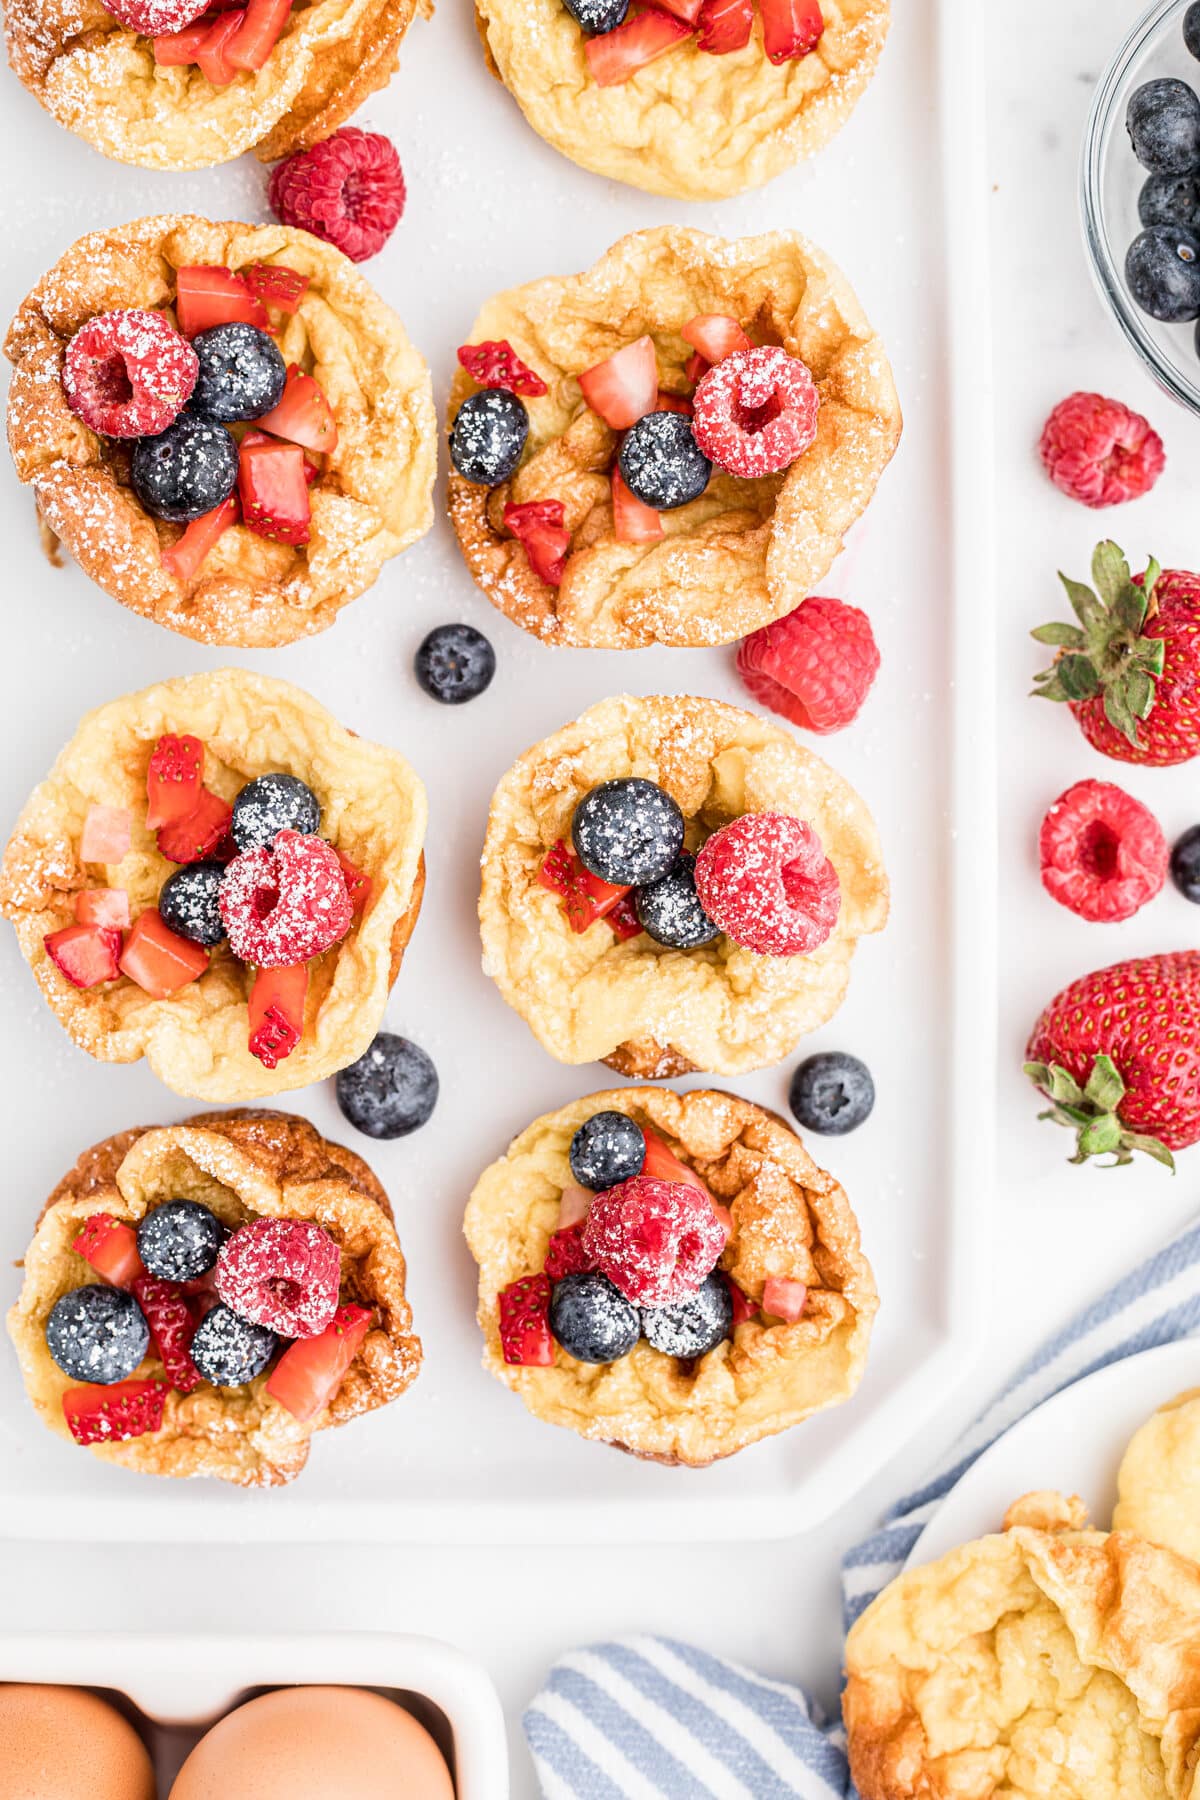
(391, 1090)
(454, 663)
(1185, 864)
(832, 1093)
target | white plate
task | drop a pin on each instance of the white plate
(182, 1685)
(1074, 1442)
(458, 1459)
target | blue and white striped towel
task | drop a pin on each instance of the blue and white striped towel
(643, 1718)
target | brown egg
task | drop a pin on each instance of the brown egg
(317, 1743)
(60, 1743)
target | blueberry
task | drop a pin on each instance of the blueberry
(488, 436)
(391, 1090)
(607, 1149)
(241, 373)
(271, 804)
(455, 663)
(186, 470)
(832, 1093)
(229, 1351)
(591, 1320)
(1163, 120)
(1191, 28)
(1162, 267)
(188, 903)
(662, 463)
(693, 1326)
(1185, 864)
(669, 909)
(1170, 200)
(180, 1241)
(97, 1334)
(597, 16)
(628, 832)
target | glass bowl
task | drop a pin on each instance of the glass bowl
(1111, 179)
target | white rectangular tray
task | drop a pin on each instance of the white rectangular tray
(898, 199)
(180, 1686)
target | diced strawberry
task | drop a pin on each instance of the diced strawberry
(311, 1371)
(212, 57)
(109, 1415)
(539, 526)
(687, 10)
(158, 959)
(695, 368)
(208, 294)
(524, 1309)
(103, 906)
(173, 780)
(85, 954)
(259, 33)
(358, 885)
(725, 25)
(277, 285)
(673, 403)
(276, 1007)
(624, 387)
(584, 896)
(624, 920)
(111, 1248)
(791, 28)
(715, 336)
(274, 491)
(743, 1307)
(565, 1254)
(184, 557)
(177, 49)
(199, 837)
(172, 1327)
(784, 1299)
(107, 834)
(303, 415)
(619, 54)
(573, 1206)
(663, 1165)
(633, 521)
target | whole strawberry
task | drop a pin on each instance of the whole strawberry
(1130, 669)
(1118, 1054)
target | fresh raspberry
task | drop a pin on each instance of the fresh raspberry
(1103, 853)
(129, 374)
(281, 1273)
(495, 364)
(172, 1326)
(285, 902)
(766, 881)
(756, 411)
(655, 1240)
(565, 1254)
(524, 1309)
(348, 189)
(1099, 452)
(815, 666)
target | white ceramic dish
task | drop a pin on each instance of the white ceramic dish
(457, 1459)
(180, 1686)
(1074, 1442)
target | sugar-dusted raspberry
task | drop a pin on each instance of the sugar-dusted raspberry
(1103, 854)
(768, 884)
(154, 18)
(756, 411)
(348, 189)
(285, 902)
(495, 364)
(129, 374)
(1099, 452)
(655, 1240)
(283, 1274)
(815, 665)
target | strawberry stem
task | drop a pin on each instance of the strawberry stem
(1106, 653)
(1092, 1113)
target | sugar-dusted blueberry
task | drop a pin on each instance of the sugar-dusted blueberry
(488, 437)
(186, 470)
(454, 663)
(694, 1326)
(188, 903)
(1170, 200)
(607, 1149)
(669, 909)
(97, 1334)
(242, 374)
(628, 831)
(391, 1090)
(1162, 267)
(832, 1093)
(591, 1320)
(270, 804)
(180, 1241)
(1185, 864)
(597, 17)
(662, 464)
(229, 1351)
(1163, 120)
